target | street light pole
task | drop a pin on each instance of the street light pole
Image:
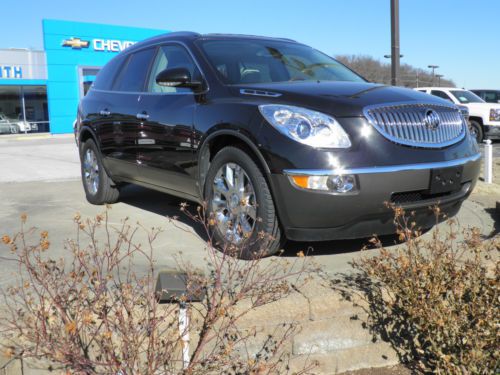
(439, 79)
(395, 50)
(433, 67)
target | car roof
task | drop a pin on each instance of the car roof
(184, 36)
(438, 88)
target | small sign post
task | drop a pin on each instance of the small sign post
(173, 287)
(488, 162)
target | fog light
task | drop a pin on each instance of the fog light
(341, 184)
(336, 183)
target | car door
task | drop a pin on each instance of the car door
(164, 145)
(120, 127)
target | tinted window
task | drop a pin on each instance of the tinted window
(441, 94)
(491, 96)
(133, 74)
(106, 75)
(169, 57)
(465, 97)
(263, 61)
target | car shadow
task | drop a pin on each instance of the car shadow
(169, 206)
(323, 248)
(495, 215)
(162, 204)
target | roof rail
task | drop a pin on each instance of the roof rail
(249, 36)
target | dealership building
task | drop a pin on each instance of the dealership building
(43, 88)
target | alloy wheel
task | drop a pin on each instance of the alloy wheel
(234, 203)
(91, 171)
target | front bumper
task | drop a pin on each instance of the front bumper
(317, 216)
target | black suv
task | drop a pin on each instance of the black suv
(274, 136)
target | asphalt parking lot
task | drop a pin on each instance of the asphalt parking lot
(41, 177)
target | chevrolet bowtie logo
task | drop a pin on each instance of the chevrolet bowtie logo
(76, 43)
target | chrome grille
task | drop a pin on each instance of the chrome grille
(407, 123)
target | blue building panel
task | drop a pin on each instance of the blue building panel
(72, 47)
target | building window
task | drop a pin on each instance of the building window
(23, 109)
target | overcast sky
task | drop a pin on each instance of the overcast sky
(461, 36)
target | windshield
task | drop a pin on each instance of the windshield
(465, 97)
(265, 61)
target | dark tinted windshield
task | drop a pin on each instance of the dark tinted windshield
(263, 61)
(465, 97)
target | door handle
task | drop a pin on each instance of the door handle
(104, 112)
(142, 116)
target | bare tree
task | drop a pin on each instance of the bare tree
(379, 72)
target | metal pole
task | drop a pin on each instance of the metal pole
(23, 104)
(488, 162)
(433, 67)
(184, 333)
(395, 50)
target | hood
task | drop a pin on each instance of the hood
(340, 99)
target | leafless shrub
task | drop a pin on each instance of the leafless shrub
(436, 300)
(94, 315)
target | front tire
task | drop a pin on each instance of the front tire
(476, 130)
(99, 187)
(240, 206)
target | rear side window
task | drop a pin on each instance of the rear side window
(107, 74)
(133, 74)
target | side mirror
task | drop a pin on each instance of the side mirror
(176, 77)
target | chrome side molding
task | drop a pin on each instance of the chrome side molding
(382, 169)
(260, 93)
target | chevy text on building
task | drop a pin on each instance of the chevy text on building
(105, 45)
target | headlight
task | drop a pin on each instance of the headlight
(495, 114)
(305, 126)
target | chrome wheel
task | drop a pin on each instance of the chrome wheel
(234, 203)
(473, 131)
(91, 171)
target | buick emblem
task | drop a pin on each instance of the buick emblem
(431, 119)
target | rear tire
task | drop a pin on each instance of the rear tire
(476, 130)
(241, 206)
(99, 187)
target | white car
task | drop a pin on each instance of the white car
(26, 126)
(484, 118)
(7, 126)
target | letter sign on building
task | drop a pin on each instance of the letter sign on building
(111, 45)
(106, 45)
(8, 71)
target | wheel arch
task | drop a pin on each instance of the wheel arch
(478, 119)
(220, 139)
(85, 134)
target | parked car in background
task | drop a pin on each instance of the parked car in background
(465, 112)
(489, 96)
(26, 126)
(7, 125)
(484, 118)
(274, 137)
